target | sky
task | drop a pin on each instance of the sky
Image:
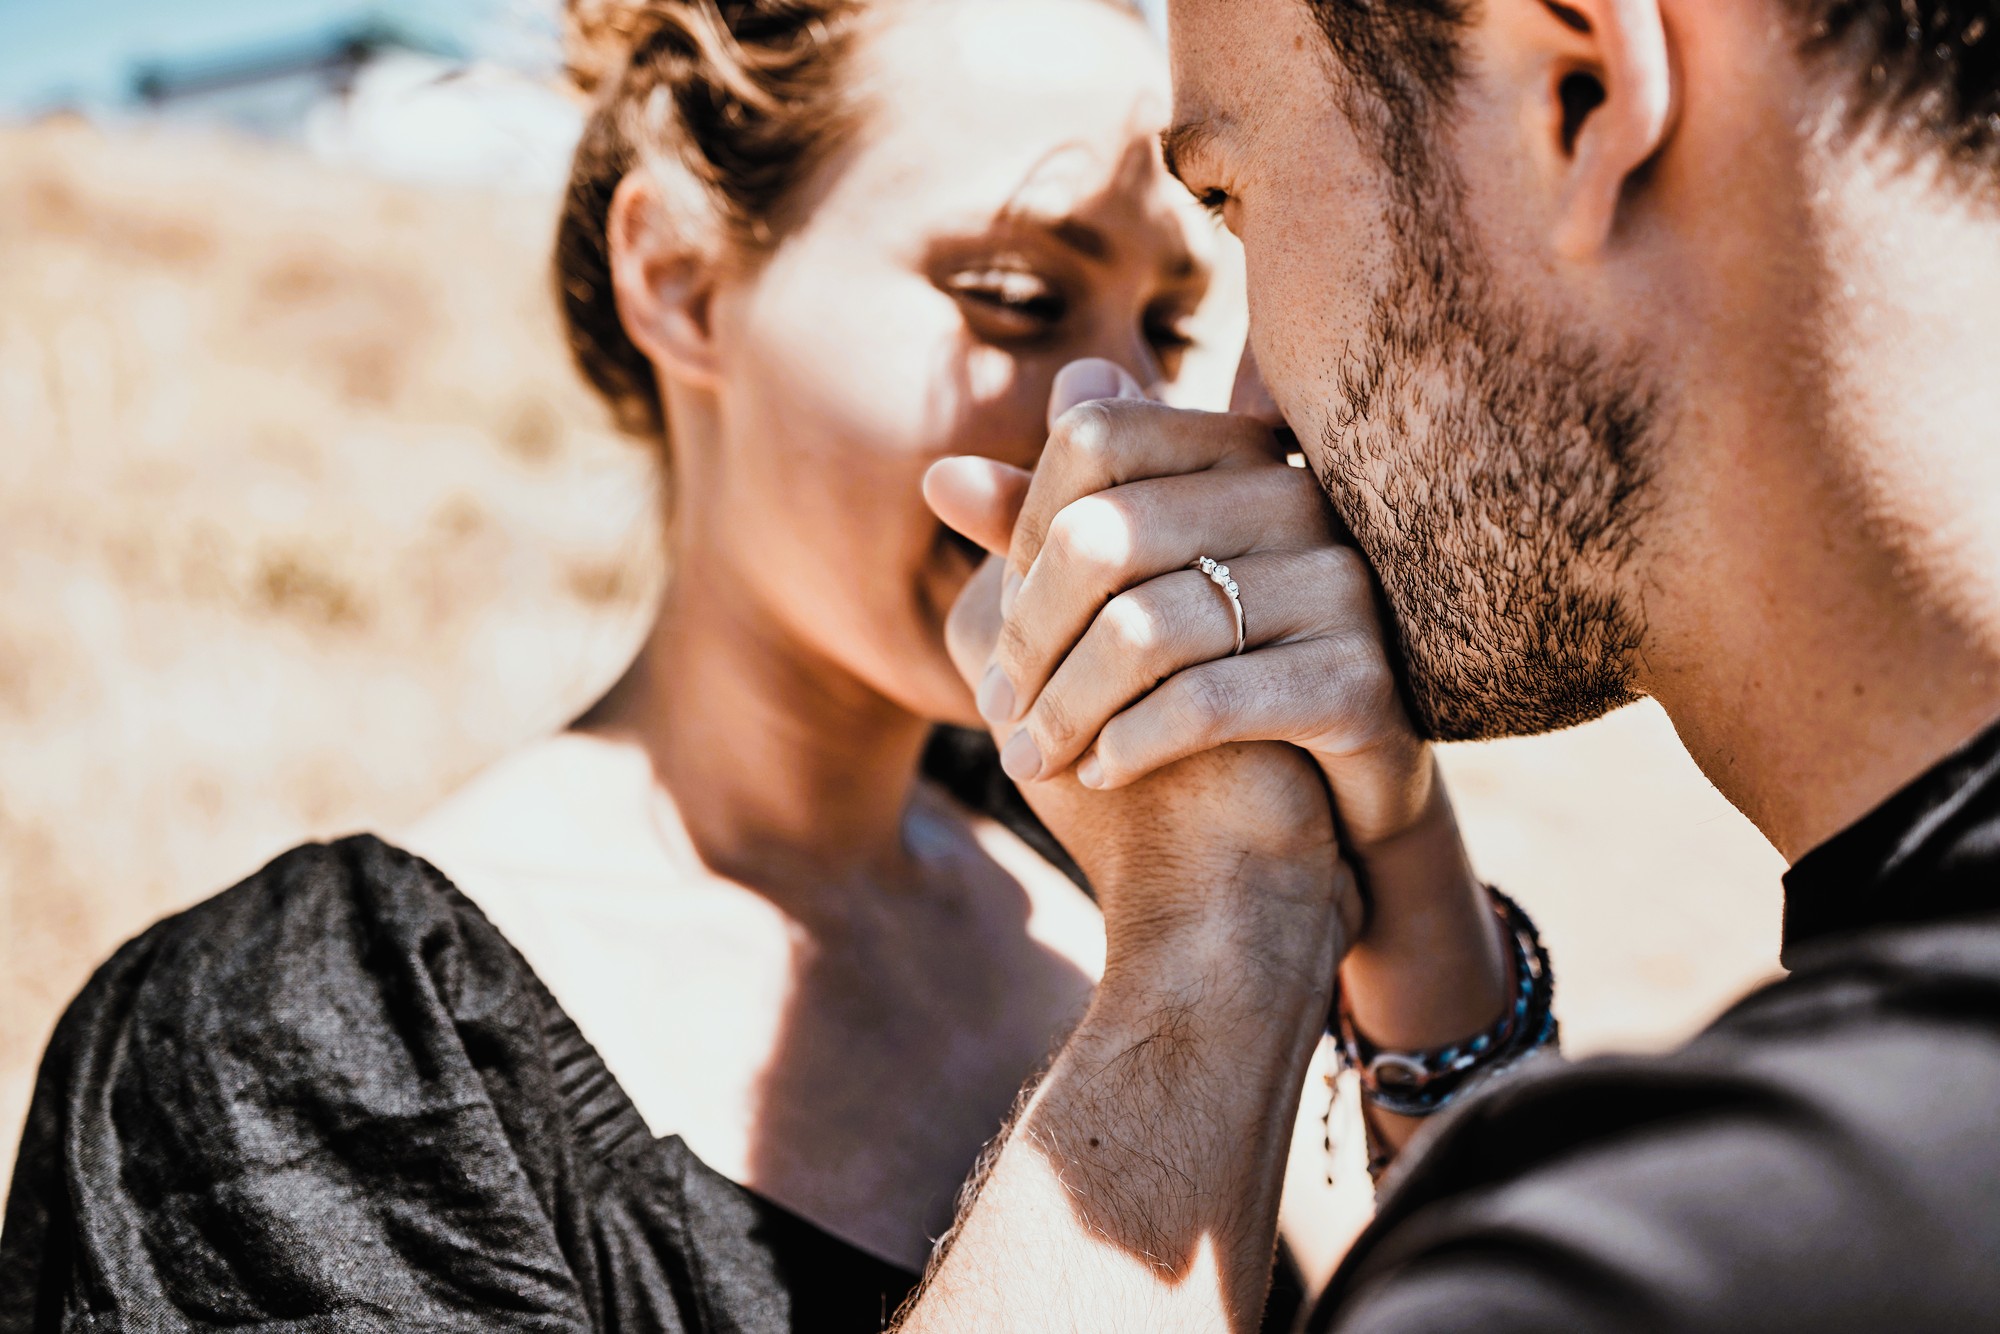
(54, 52)
(81, 52)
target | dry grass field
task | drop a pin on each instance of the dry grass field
(303, 518)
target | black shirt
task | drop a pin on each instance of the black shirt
(334, 1098)
(1825, 1157)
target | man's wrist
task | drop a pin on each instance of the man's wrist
(1246, 995)
(1281, 927)
(1221, 988)
(1239, 1033)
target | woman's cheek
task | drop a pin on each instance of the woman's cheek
(873, 401)
(861, 352)
(999, 404)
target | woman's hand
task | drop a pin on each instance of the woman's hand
(1113, 659)
(1232, 842)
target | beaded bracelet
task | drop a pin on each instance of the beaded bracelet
(1419, 1083)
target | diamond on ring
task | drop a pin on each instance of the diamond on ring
(1218, 574)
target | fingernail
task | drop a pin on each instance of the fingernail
(996, 696)
(1083, 381)
(1090, 773)
(1009, 586)
(1021, 758)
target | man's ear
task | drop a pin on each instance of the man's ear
(663, 274)
(1605, 88)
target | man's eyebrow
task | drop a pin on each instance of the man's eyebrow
(1184, 138)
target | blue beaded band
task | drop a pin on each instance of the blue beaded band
(1420, 1083)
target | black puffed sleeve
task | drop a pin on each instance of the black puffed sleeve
(323, 1100)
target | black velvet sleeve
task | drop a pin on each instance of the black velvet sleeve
(322, 1100)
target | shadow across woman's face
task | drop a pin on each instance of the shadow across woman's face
(1000, 211)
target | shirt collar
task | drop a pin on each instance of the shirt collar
(1929, 852)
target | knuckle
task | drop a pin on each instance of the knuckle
(1053, 719)
(1062, 536)
(1133, 623)
(1360, 672)
(1093, 534)
(1304, 489)
(1341, 572)
(1014, 645)
(1087, 432)
(1348, 562)
(1201, 705)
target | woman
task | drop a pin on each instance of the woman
(732, 997)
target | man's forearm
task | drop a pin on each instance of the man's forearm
(1139, 1188)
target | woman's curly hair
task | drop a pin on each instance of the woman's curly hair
(731, 103)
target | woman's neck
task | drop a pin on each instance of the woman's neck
(785, 769)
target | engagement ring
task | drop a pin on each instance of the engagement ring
(1218, 574)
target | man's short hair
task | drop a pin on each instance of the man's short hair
(1927, 71)
(1398, 62)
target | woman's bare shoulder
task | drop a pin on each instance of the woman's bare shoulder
(572, 804)
(677, 978)
(572, 848)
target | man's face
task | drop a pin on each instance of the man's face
(1490, 455)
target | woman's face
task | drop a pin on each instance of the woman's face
(1001, 212)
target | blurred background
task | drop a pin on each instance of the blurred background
(304, 516)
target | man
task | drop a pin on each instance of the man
(1643, 347)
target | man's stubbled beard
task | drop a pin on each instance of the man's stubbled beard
(1492, 468)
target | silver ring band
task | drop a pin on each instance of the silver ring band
(1218, 574)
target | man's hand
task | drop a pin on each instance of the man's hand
(1139, 1188)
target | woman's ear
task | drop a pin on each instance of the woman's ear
(1605, 88)
(664, 278)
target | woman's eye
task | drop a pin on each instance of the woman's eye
(1215, 201)
(1009, 302)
